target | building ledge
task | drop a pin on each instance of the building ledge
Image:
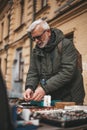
(42, 10)
(19, 27)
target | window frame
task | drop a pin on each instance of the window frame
(19, 64)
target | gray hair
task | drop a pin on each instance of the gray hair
(43, 23)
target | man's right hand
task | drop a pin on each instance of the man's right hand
(28, 94)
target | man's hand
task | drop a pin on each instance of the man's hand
(38, 94)
(28, 94)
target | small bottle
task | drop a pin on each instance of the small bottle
(47, 100)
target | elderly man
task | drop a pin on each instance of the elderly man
(51, 72)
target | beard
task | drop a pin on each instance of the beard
(42, 44)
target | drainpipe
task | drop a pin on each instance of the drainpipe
(33, 18)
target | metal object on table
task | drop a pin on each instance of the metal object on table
(64, 118)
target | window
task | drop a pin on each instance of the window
(44, 3)
(18, 66)
(2, 31)
(21, 64)
(22, 11)
(9, 18)
(39, 4)
(19, 15)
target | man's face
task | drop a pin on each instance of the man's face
(40, 36)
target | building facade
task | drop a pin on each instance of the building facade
(15, 47)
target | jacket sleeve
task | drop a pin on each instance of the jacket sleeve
(32, 79)
(67, 69)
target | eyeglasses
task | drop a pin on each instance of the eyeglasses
(38, 37)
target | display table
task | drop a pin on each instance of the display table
(49, 127)
(51, 118)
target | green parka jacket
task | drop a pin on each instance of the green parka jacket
(62, 78)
